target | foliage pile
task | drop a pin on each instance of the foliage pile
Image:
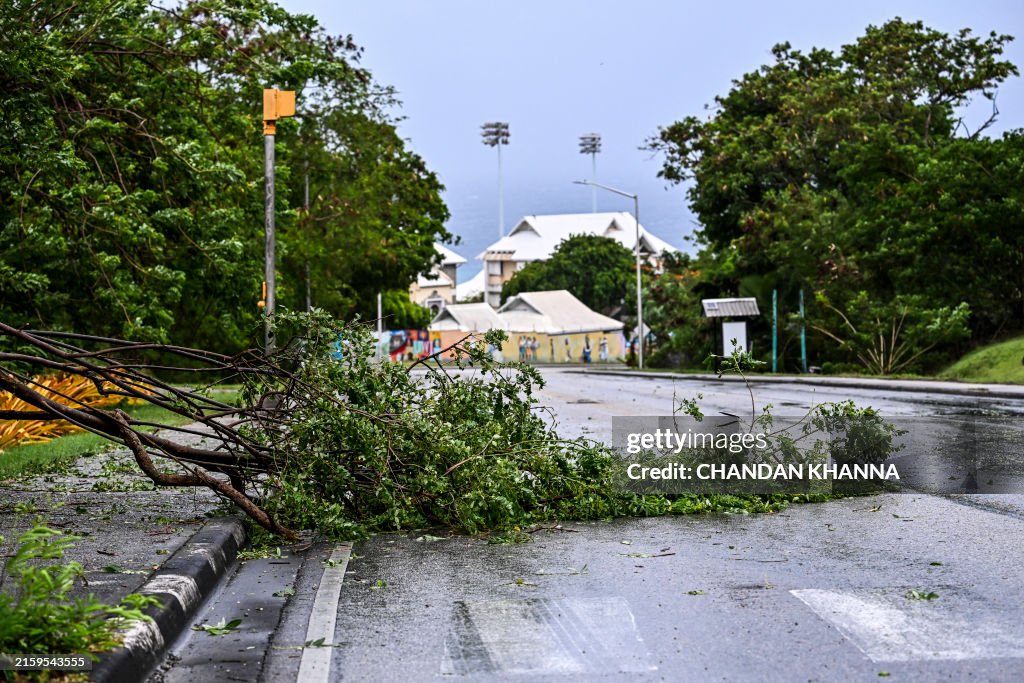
(325, 438)
(380, 446)
(39, 616)
(131, 166)
(852, 175)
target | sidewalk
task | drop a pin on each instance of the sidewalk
(135, 537)
(920, 385)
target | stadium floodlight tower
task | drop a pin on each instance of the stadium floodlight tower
(495, 134)
(591, 144)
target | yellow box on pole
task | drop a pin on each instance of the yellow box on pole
(278, 104)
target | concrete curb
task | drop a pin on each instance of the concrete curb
(916, 385)
(181, 584)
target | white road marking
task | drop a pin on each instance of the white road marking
(889, 628)
(544, 636)
(315, 666)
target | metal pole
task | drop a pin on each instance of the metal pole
(775, 330)
(639, 292)
(268, 247)
(803, 334)
(380, 326)
(309, 293)
(501, 197)
(593, 176)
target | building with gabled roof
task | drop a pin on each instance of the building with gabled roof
(545, 327)
(535, 238)
(554, 312)
(456, 321)
(477, 317)
(436, 289)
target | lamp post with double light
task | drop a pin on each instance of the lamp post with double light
(639, 292)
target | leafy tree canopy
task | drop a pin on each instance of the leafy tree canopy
(131, 166)
(597, 270)
(849, 173)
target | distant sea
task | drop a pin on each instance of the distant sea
(474, 212)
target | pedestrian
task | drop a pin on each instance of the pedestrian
(586, 348)
(534, 346)
(602, 349)
(522, 349)
(568, 351)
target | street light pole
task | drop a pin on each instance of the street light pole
(277, 104)
(269, 241)
(639, 291)
(495, 134)
(591, 144)
(305, 206)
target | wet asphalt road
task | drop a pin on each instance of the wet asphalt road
(814, 593)
(817, 592)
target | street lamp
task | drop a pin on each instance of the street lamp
(591, 144)
(277, 104)
(495, 134)
(639, 293)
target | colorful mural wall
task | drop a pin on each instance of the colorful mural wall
(564, 348)
(412, 344)
(406, 345)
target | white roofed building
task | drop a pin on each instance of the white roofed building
(477, 317)
(535, 238)
(471, 288)
(436, 289)
(542, 327)
(554, 312)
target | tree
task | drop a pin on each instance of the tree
(597, 270)
(850, 173)
(131, 160)
(672, 308)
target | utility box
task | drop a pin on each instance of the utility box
(277, 104)
(733, 314)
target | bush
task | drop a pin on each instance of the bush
(41, 617)
(379, 446)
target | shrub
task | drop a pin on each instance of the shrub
(39, 616)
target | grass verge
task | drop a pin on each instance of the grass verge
(1001, 363)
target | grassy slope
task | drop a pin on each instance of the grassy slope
(1003, 362)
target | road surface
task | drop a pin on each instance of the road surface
(906, 586)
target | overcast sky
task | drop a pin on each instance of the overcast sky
(557, 69)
